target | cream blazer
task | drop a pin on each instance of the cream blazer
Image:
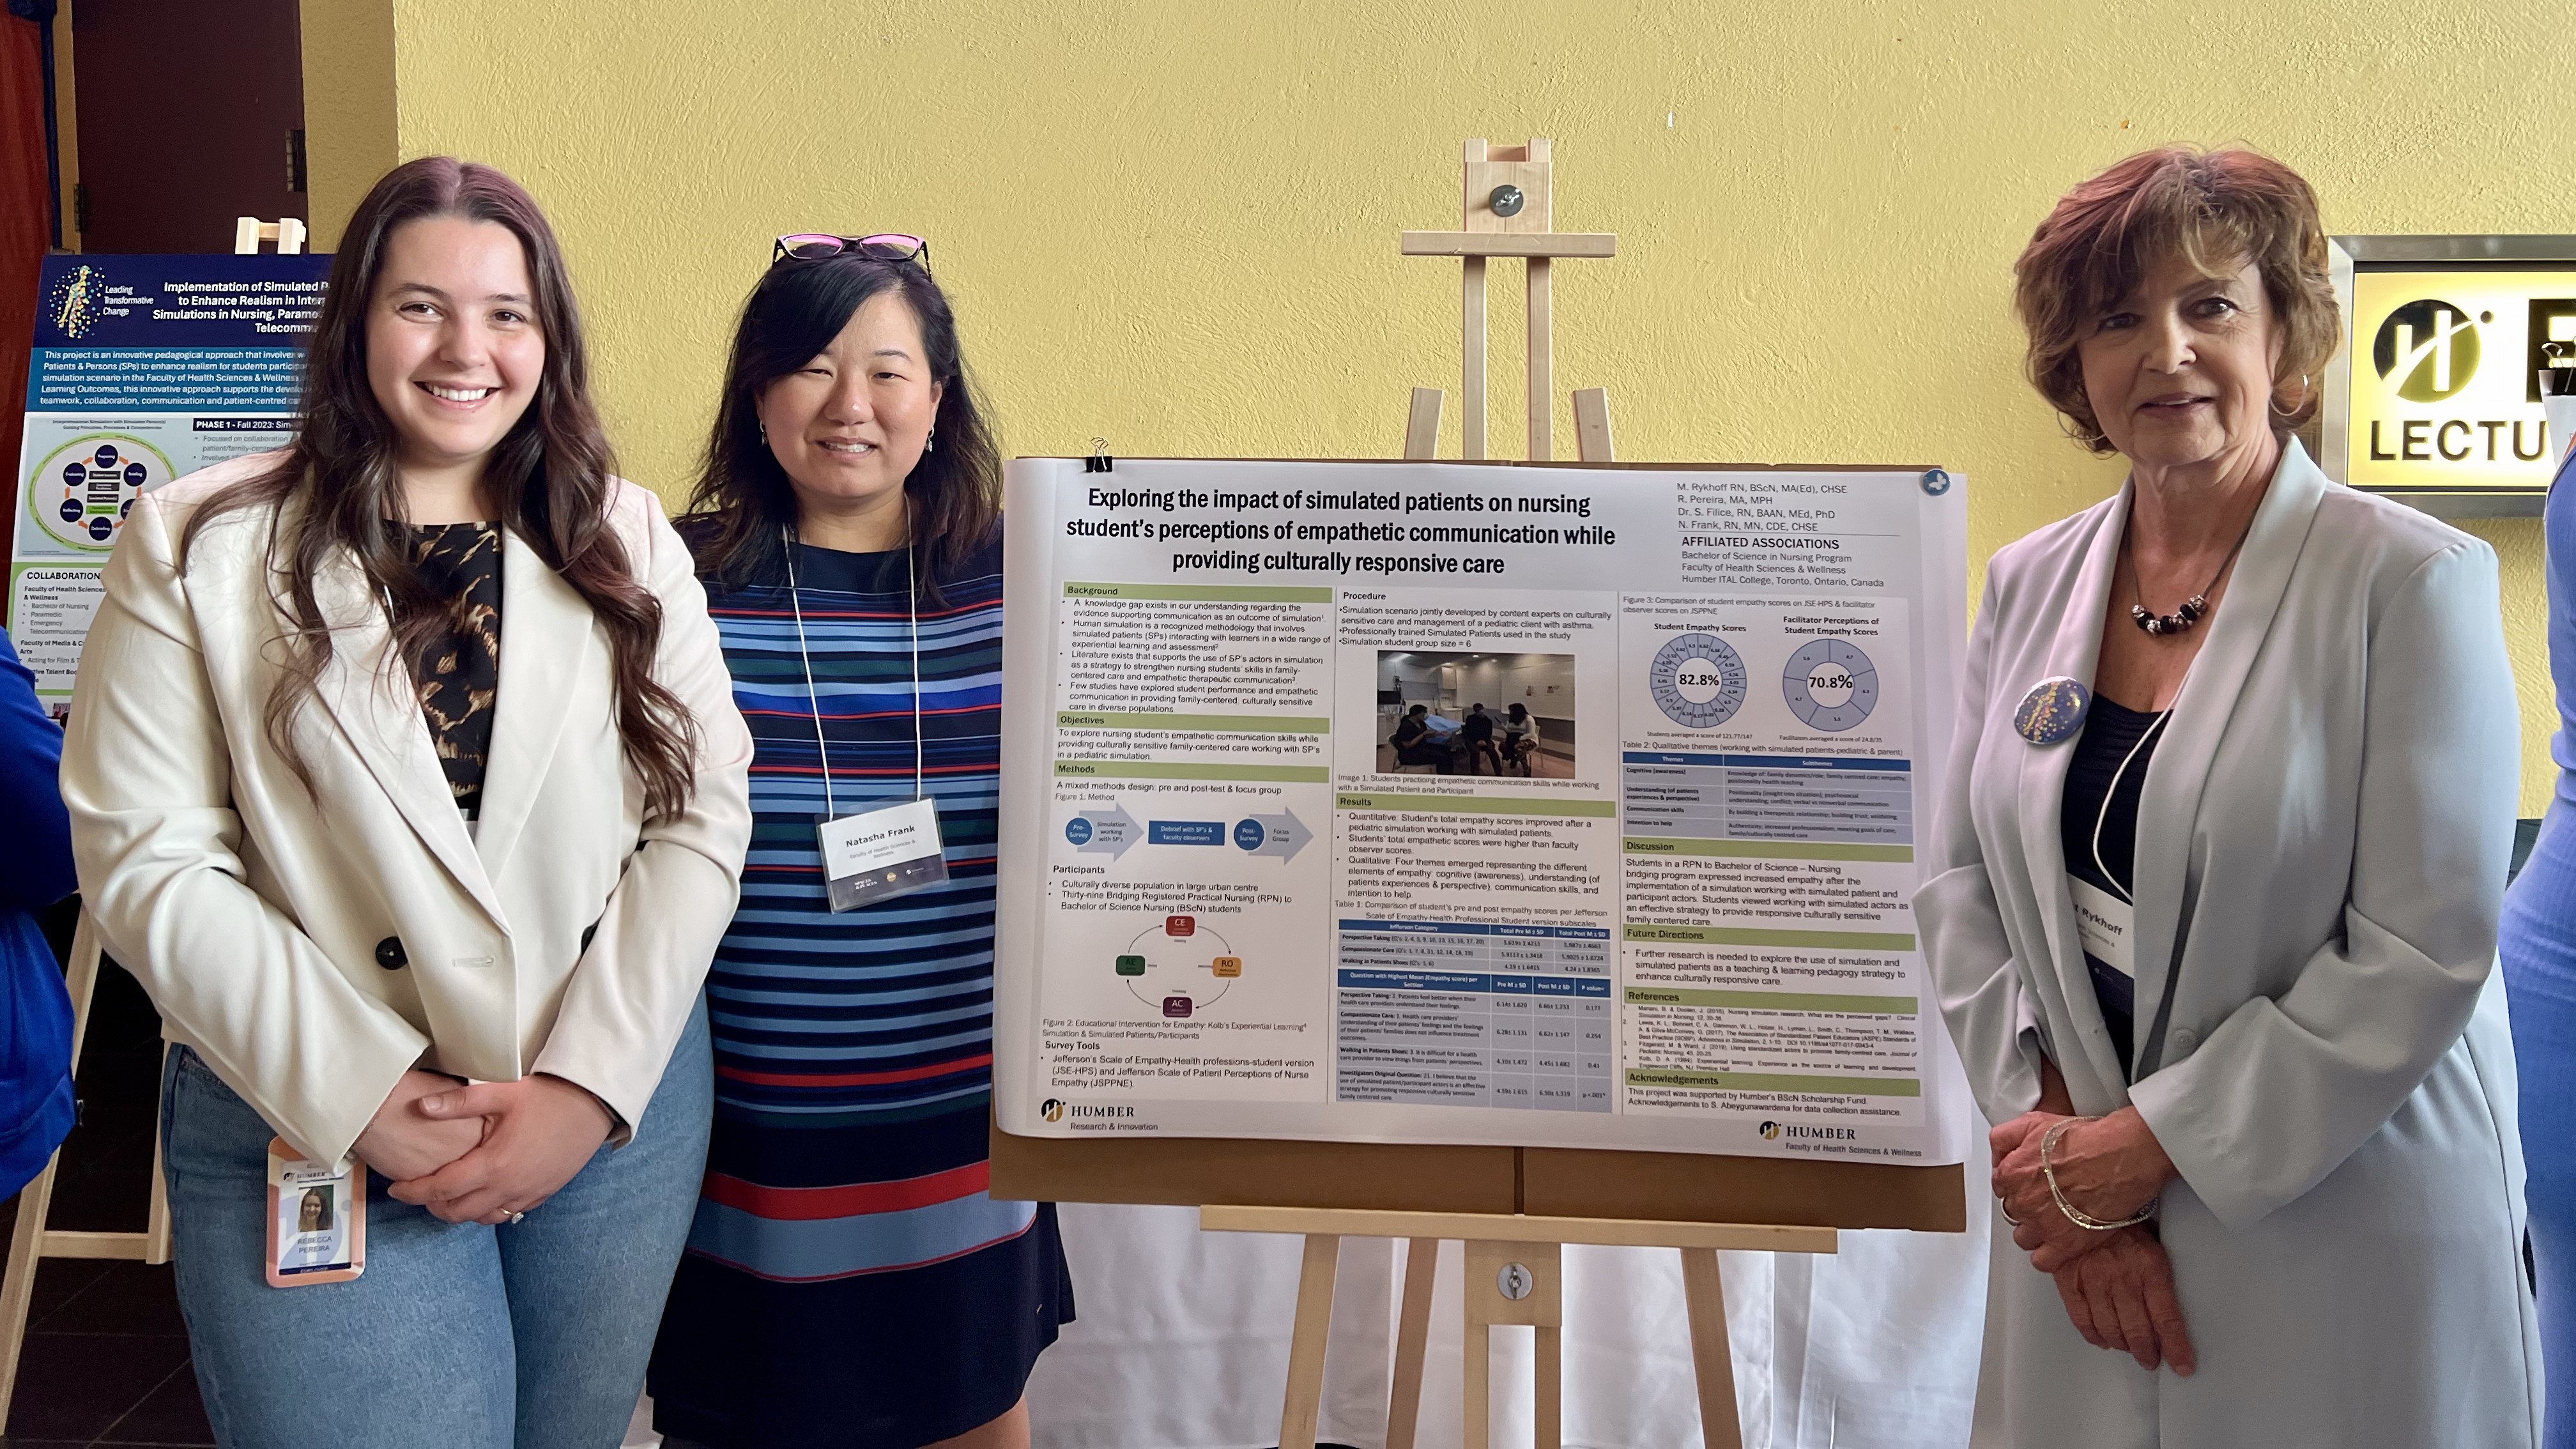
(314, 944)
(2322, 842)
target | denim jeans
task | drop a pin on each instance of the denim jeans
(457, 1336)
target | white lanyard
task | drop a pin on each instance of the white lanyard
(2104, 814)
(912, 602)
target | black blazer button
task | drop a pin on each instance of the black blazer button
(389, 954)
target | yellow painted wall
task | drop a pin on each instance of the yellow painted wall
(1173, 223)
(348, 107)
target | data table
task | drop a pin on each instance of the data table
(1820, 798)
(1474, 1015)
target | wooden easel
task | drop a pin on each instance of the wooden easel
(1509, 212)
(1514, 1261)
(30, 1240)
(1515, 1275)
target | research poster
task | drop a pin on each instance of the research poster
(146, 368)
(1474, 803)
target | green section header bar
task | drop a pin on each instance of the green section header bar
(1772, 1000)
(1477, 805)
(1240, 593)
(1268, 724)
(1741, 936)
(1152, 770)
(1765, 849)
(1777, 1082)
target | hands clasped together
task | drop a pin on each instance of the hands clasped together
(2117, 1284)
(484, 1152)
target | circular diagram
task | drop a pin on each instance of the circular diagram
(1830, 684)
(1180, 968)
(82, 491)
(1698, 681)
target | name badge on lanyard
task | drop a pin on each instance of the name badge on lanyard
(317, 1219)
(871, 855)
(2105, 924)
(884, 852)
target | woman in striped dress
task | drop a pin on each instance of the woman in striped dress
(849, 1283)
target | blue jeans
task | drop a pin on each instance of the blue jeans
(457, 1336)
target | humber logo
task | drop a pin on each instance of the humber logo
(1054, 1110)
(2429, 348)
(1773, 1131)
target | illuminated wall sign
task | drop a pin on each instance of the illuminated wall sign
(2434, 396)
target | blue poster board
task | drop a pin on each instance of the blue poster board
(146, 368)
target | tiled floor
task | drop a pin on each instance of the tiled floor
(106, 1359)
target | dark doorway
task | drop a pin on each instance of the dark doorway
(190, 115)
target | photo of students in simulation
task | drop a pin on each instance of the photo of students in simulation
(1456, 713)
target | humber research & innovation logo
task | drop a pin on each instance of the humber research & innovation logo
(2429, 348)
(1770, 1131)
(1051, 1109)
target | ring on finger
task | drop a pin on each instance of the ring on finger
(517, 1217)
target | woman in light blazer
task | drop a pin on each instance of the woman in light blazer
(405, 774)
(2212, 901)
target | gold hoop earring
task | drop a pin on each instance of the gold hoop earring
(2307, 391)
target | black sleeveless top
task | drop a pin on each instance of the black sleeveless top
(2111, 732)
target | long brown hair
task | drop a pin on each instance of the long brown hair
(551, 477)
(799, 306)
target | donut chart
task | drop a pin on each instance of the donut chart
(1179, 967)
(1698, 681)
(1831, 686)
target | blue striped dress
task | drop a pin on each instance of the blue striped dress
(848, 1281)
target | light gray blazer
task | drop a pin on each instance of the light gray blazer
(2322, 1047)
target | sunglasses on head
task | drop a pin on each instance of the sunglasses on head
(888, 246)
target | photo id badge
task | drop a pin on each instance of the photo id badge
(883, 852)
(317, 1219)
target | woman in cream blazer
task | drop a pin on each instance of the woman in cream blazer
(337, 947)
(2319, 1065)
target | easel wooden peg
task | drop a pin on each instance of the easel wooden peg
(1515, 1275)
(249, 231)
(30, 1240)
(1509, 212)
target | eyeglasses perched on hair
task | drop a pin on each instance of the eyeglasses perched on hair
(889, 246)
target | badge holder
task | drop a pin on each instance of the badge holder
(317, 1219)
(891, 850)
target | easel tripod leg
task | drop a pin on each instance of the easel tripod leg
(1479, 1386)
(1412, 1341)
(1305, 1400)
(1471, 391)
(156, 1228)
(27, 1236)
(26, 1247)
(1547, 1379)
(1542, 370)
(1704, 1291)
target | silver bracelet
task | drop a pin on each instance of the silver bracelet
(2074, 1214)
